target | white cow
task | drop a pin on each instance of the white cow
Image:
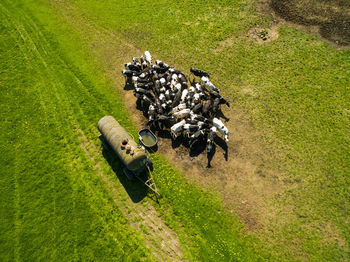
(183, 113)
(177, 87)
(198, 87)
(177, 128)
(221, 127)
(196, 98)
(162, 97)
(178, 108)
(162, 81)
(209, 84)
(148, 57)
(184, 95)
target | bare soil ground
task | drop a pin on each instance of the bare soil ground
(235, 169)
(330, 20)
(264, 35)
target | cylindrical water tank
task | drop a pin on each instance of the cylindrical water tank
(134, 159)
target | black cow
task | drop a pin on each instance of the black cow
(198, 72)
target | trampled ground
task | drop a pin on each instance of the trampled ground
(284, 174)
(328, 19)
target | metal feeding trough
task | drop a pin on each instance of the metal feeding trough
(147, 138)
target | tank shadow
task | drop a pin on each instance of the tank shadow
(135, 188)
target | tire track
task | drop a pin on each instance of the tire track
(157, 235)
(29, 47)
(17, 221)
(48, 99)
(169, 246)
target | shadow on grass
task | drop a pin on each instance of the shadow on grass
(135, 188)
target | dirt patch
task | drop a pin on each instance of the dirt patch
(264, 35)
(259, 34)
(330, 20)
(244, 184)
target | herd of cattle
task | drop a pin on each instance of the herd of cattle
(173, 101)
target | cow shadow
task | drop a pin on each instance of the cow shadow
(220, 114)
(222, 143)
(178, 141)
(163, 133)
(197, 148)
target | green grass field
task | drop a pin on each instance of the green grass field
(63, 198)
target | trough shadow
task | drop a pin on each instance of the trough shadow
(135, 188)
(152, 149)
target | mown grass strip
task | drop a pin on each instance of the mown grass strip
(53, 209)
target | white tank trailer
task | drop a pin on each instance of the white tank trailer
(132, 155)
